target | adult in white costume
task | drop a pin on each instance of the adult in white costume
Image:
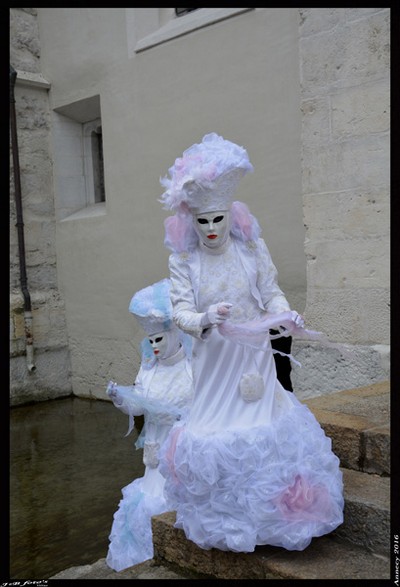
(250, 465)
(162, 392)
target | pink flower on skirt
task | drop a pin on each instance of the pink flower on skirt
(303, 501)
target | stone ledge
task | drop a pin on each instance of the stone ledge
(28, 78)
(100, 570)
(366, 511)
(357, 421)
(325, 558)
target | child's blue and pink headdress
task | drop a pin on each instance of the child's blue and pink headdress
(152, 308)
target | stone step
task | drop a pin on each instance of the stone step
(366, 512)
(146, 570)
(325, 558)
(361, 543)
(358, 422)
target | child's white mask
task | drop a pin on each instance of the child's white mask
(164, 344)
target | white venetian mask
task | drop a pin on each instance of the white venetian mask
(164, 344)
(212, 227)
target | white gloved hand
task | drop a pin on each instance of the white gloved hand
(297, 319)
(216, 314)
(111, 389)
(112, 393)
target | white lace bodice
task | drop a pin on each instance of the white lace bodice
(241, 273)
(168, 384)
(223, 279)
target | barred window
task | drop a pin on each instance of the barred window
(183, 11)
(159, 25)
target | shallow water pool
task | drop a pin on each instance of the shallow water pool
(69, 460)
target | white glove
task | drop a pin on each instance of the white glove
(112, 392)
(297, 319)
(216, 314)
(123, 398)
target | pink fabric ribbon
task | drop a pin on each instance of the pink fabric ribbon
(255, 332)
(170, 452)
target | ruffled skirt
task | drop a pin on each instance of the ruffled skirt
(131, 534)
(277, 484)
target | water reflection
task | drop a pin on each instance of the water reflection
(69, 460)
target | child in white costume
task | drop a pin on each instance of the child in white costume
(250, 465)
(162, 392)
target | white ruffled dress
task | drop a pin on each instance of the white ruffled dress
(161, 393)
(250, 465)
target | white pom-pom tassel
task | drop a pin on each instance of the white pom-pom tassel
(251, 387)
(150, 454)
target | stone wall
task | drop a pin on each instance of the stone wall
(50, 377)
(344, 65)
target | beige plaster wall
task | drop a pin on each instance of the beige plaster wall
(238, 77)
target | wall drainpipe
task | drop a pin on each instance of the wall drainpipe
(20, 228)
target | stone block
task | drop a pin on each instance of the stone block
(324, 371)
(377, 450)
(357, 52)
(50, 380)
(357, 421)
(319, 20)
(351, 316)
(316, 121)
(355, 263)
(326, 559)
(18, 323)
(39, 274)
(25, 50)
(360, 110)
(171, 545)
(40, 237)
(354, 214)
(346, 434)
(367, 511)
(358, 163)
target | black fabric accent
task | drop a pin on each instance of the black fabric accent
(283, 366)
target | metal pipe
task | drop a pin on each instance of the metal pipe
(20, 228)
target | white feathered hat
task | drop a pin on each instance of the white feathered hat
(152, 307)
(206, 177)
